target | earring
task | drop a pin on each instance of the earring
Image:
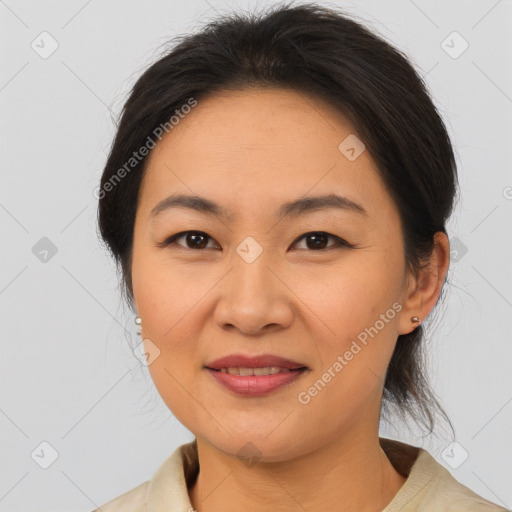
(415, 319)
(138, 321)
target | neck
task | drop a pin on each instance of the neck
(353, 471)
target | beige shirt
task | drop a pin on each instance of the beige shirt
(429, 486)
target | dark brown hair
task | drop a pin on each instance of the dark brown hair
(320, 52)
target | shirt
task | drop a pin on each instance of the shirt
(429, 486)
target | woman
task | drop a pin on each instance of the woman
(276, 198)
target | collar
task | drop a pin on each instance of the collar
(168, 489)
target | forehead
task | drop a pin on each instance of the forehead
(245, 147)
(252, 119)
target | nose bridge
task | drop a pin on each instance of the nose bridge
(254, 297)
(252, 281)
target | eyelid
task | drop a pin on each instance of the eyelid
(340, 242)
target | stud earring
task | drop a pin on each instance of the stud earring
(138, 321)
(415, 319)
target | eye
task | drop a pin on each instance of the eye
(198, 240)
(319, 240)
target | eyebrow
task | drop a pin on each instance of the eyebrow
(294, 208)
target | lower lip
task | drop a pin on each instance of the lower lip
(255, 385)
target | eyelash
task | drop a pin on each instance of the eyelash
(339, 241)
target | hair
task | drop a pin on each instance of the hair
(322, 53)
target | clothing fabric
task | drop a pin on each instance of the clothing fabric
(429, 486)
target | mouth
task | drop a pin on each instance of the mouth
(255, 376)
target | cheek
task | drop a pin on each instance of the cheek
(358, 311)
(352, 296)
(162, 303)
(172, 299)
(160, 293)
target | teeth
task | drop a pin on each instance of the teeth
(267, 370)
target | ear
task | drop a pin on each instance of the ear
(423, 291)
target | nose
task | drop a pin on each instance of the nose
(254, 299)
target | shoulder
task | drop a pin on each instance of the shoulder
(454, 496)
(430, 486)
(167, 489)
(132, 501)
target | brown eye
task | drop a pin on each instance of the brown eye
(318, 240)
(195, 240)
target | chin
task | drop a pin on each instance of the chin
(258, 445)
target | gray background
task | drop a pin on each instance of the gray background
(68, 375)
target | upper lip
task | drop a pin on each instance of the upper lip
(260, 361)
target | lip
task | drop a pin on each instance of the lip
(259, 361)
(255, 385)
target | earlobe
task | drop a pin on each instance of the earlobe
(426, 288)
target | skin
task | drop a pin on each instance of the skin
(250, 151)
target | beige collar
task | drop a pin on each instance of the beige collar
(168, 489)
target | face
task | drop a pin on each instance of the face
(321, 285)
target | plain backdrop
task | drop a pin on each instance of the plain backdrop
(74, 396)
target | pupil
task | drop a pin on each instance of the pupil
(194, 237)
(317, 237)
